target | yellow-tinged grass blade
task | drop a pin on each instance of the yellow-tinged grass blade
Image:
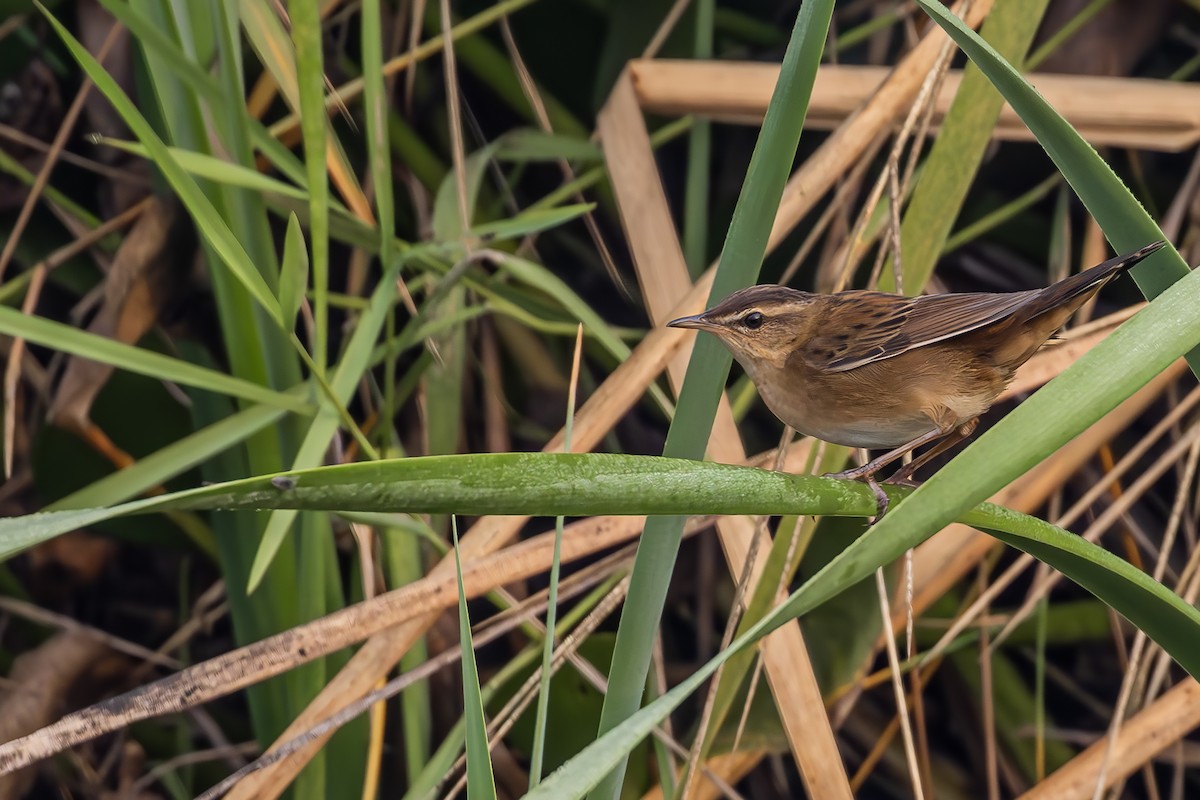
(277, 51)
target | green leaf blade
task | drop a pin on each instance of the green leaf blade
(293, 277)
(144, 362)
(745, 246)
(481, 782)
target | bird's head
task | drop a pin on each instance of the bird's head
(759, 325)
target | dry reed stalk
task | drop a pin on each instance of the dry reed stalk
(846, 145)
(731, 767)
(1139, 113)
(1143, 736)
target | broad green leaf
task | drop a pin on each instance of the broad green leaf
(539, 484)
(560, 484)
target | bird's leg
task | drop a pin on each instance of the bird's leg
(905, 473)
(873, 466)
(866, 473)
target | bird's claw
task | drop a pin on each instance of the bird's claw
(881, 498)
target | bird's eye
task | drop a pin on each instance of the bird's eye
(753, 320)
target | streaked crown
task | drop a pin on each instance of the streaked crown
(759, 322)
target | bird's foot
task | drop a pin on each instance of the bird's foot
(867, 477)
(903, 480)
(856, 474)
(881, 498)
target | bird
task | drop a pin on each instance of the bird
(884, 371)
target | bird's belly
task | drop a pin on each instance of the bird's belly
(886, 421)
(873, 433)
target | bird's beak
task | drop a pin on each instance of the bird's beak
(696, 321)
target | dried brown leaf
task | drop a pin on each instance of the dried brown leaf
(42, 683)
(134, 292)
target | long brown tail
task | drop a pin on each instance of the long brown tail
(1046, 312)
(1090, 280)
